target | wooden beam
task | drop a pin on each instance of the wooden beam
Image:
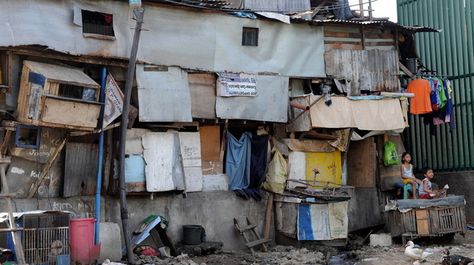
(405, 70)
(51, 54)
(46, 168)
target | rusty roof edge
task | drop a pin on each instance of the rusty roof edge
(387, 23)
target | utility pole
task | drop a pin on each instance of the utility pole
(138, 13)
(361, 8)
(370, 10)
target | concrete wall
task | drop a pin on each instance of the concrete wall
(460, 183)
(213, 210)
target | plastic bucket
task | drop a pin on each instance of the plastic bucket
(81, 241)
(193, 234)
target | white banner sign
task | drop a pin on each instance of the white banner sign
(237, 85)
(113, 101)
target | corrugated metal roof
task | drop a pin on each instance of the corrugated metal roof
(383, 23)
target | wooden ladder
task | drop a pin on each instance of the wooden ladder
(251, 228)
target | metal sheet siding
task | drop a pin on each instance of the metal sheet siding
(447, 52)
(278, 5)
(373, 70)
(80, 169)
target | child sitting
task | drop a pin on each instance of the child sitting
(426, 190)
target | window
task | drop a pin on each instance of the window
(97, 23)
(77, 92)
(27, 136)
(249, 36)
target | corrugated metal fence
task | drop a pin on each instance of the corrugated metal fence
(449, 53)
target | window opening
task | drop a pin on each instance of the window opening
(97, 23)
(27, 136)
(249, 36)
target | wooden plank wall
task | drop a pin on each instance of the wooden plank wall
(358, 37)
(365, 55)
(362, 163)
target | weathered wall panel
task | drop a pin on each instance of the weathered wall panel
(203, 95)
(163, 95)
(164, 166)
(372, 70)
(192, 39)
(270, 104)
(80, 169)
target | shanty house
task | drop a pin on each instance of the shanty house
(214, 94)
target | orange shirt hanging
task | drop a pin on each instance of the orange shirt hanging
(421, 103)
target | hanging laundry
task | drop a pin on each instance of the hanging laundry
(449, 104)
(237, 164)
(441, 92)
(258, 163)
(420, 104)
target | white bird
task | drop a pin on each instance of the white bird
(416, 253)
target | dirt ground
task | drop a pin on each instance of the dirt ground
(360, 255)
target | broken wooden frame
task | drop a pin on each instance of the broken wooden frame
(57, 96)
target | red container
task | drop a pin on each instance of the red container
(81, 241)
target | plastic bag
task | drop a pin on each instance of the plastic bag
(277, 174)
(390, 154)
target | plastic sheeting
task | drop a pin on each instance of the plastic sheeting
(277, 174)
(163, 96)
(192, 39)
(371, 115)
(270, 104)
(410, 204)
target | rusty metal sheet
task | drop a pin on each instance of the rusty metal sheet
(80, 169)
(373, 70)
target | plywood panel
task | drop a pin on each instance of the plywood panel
(164, 167)
(329, 166)
(362, 163)
(210, 142)
(190, 145)
(203, 95)
(422, 222)
(210, 149)
(69, 112)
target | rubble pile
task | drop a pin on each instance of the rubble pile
(290, 256)
(182, 259)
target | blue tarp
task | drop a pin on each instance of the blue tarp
(237, 164)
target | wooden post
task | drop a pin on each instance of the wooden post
(268, 217)
(45, 170)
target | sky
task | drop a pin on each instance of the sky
(382, 8)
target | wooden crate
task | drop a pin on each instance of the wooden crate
(432, 221)
(41, 103)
